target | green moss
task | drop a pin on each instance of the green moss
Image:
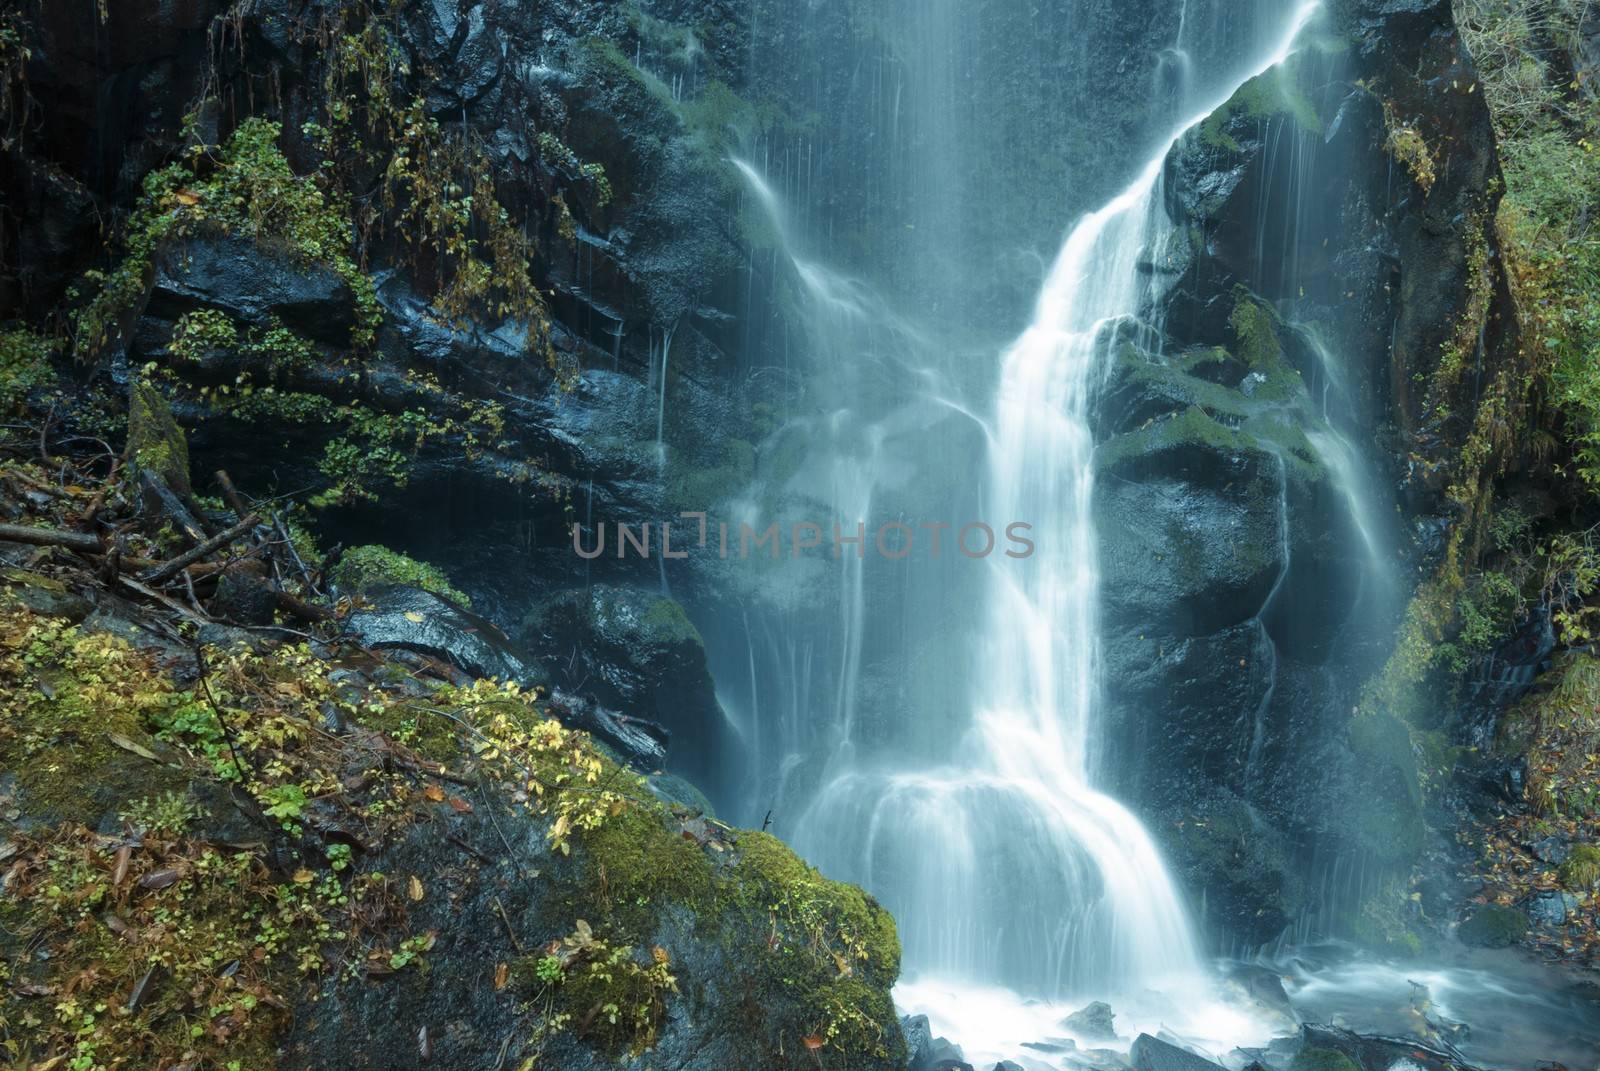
(363, 568)
(1494, 926)
(1387, 811)
(669, 622)
(1195, 428)
(245, 187)
(1323, 1060)
(1581, 870)
(1269, 95)
(1384, 922)
(702, 487)
(155, 441)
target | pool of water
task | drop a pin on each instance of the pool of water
(1500, 1010)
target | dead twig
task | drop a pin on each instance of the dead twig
(50, 537)
(202, 550)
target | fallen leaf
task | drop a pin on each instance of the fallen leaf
(414, 888)
(460, 806)
(812, 1041)
(159, 879)
(186, 197)
(304, 876)
(502, 974)
(128, 745)
(416, 619)
(119, 869)
(434, 793)
(661, 955)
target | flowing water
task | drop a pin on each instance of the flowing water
(928, 729)
(1004, 865)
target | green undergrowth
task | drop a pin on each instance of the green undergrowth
(244, 187)
(178, 830)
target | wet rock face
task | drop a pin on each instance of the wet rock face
(637, 652)
(1311, 281)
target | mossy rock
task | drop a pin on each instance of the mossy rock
(1387, 808)
(1494, 927)
(370, 567)
(155, 441)
(1323, 1060)
(44, 596)
(1273, 94)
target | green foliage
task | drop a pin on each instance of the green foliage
(199, 332)
(1406, 144)
(437, 189)
(368, 449)
(367, 567)
(166, 815)
(245, 187)
(24, 367)
(1549, 224)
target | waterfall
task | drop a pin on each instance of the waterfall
(982, 828)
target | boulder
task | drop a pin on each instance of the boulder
(1153, 1054)
(252, 282)
(1493, 926)
(636, 652)
(1551, 907)
(1552, 849)
(411, 619)
(919, 1039)
(1094, 1022)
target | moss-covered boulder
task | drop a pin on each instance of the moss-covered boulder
(1493, 926)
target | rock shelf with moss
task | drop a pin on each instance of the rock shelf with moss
(228, 854)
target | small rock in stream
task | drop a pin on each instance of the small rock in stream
(1095, 1021)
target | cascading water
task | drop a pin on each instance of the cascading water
(1003, 863)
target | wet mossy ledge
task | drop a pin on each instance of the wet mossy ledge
(223, 851)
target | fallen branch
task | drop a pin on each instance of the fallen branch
(202, 550)
(159, 494)
(305, 611)
(50, 537)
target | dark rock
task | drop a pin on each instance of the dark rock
(1552, 849)
(636, 652)
(1095, 1022)
(919, 1039)
(1552, 907)
(1264, 986)
(1006, 1065)
(251, 281)
(1493, 926)
(410, 619)
(243, 599)
(1152, 1054)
